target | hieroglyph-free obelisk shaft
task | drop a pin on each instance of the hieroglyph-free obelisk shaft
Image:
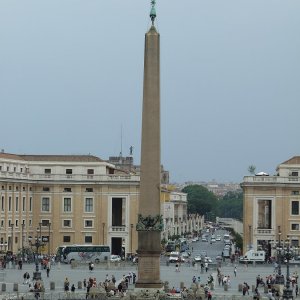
(149, 224)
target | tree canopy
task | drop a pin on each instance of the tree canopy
(200, 200)
(231, 205)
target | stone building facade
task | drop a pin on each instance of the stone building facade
(272, 207)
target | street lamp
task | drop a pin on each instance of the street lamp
(49, 226)
(131, 227)
(288, 291)
(103, 225)
(36, 274)
(250, 242)
(279, 277)
(23, 225)
(12, 238)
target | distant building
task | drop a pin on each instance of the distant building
(272, 207)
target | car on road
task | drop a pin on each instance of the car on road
(185, 255)
(207, 259)
(212, 240)
(218, 238)
(204, 239)
(174, 256)
(197, 258)
(115, 258)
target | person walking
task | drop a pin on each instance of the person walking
(234, 271)
(177, 267)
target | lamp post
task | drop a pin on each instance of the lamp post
(131, 227)
(36, 274)
(250, 242)
(288, 291)
(12, 238)
(40, 239)
(103, 225)
(49, 226)
(23, 225)
(279, 277)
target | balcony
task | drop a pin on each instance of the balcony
(270, 179)
(264, 231)
(119, 229)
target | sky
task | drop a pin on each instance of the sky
(71, 82)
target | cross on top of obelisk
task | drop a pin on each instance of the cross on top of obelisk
(153, 11)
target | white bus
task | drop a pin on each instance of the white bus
(86, 253)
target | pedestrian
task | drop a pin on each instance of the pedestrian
(176, 267)
(84, 283)
(296, 290)
(73, 288)
(235, 269)
(206, 266)
(48, 268)
(209, 295)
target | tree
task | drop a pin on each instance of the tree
(200, 200)
(231, 205)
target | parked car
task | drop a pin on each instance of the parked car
(115, 258)
(197, 258)
(218, 238)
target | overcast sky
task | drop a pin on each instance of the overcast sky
(71, 75)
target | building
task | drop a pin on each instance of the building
(66, 199)
(271, 207)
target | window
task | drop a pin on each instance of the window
(294, 173)
(295, 192)
(24, 189)
(24, 204)
(15, 169)
(67, 223)
(295, 207)
(9, 203)
(2, 187)
(2, 223)
(47, 171)
(9, 187)
(21, 170)
(88, 239)
(17, 188)
(46, 189)
(90, 171)
(88, 223)
(30, 188)
(66, 239)
(69, 171)
(17, 203)
(89, 190)
(2, 203)
(89, 205)
(16, 239)
(67, 190)
(7, 169)
(45, 223)
(67, 205)
(30, 204)
(17, 223)
(46, 204)
(295, 227)
(30, 222)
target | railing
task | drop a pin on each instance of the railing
(119, 228)
(264, 231)
(73, 177)
(270, 179)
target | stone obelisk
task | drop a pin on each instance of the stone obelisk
(149, 223)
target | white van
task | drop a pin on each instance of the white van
(252, 255)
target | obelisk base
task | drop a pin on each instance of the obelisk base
(149, 270)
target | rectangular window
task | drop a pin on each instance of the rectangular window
(67, 223)
(66, 239)
(17, 223)
(88, 223)
(2, 223)
(90, 171)
(2, 203)
(88, 239)
(24, 204)
(294, 173)
(69, 171)
(47, 171)
(30, 223)
(21, 170)
(46, 189)
(9, 203)
(17, 203)
(46, 204)
(67, 205)
(295, 192)
(67, 190)
(89, 205)
(295, 208)
(89, 190)
(45, 223)
(295, 227)
(24, 189)
(30, 204)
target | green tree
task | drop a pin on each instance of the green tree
(200, 200)
(231, 205)
(251, 169)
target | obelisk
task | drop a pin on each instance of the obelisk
(149, 224)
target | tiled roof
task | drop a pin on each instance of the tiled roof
(10, 156)
(292, 161)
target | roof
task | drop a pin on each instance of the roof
(62, 158)
(292, 161)
(10, 156)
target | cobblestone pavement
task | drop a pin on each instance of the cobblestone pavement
(60, 272)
